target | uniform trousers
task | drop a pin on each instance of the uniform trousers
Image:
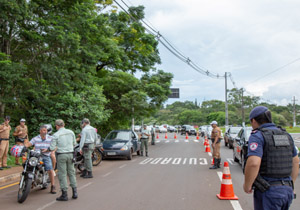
(216, 150)
(275, 198)
(3, 152)
(65, 168)
(144, 144)
(87, 154)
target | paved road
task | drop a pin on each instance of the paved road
(174, 177)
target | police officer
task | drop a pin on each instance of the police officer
(87, 144)
(4, 139)
(21, 136)
(144, 139)
(64, 141)
(216, 144)
(272, 165)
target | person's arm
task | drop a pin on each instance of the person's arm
(28, 143)
(53, 143)
(82, 139)
(16, 132)
(251, 172)
(295, 169)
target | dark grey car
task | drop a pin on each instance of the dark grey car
(230, 134)
(121, 143)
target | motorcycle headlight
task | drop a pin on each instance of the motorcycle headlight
(125, 147)
(33, 161)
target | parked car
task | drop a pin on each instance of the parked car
(178, 127)
(240, 146)
(121, 143)
(162, 129)
(172, 129)
(230, 134)
(190, 130)
(137, 128)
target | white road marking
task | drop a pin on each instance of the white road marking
(105, 175)
(230, 160)
(176, 141)
(186, 140)
(209, 153)
(47, 205)
(157, 141)
(156, 161)
(122, 166)
(84, 186)
(167, 141)
(53, 202)
(193, 160)
(235, 204)
(176, 161)
(166, 161)
(146, 161)
(196, 140)
(184, 161)
(202, 161)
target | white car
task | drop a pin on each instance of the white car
(162, 129)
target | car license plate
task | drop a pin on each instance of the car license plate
(111, 153)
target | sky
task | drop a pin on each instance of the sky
(251, 39)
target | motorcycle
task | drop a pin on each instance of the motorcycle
(33, 175)
(79, 159)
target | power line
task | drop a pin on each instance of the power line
(167, 44)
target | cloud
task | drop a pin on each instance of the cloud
(247, 38)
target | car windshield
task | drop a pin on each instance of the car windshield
(248, 132)
(118, 135)
(189, 127)
(235, 130)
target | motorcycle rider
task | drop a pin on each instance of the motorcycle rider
(88, 139)
(42, 143)
(64, 141)
(21, 136)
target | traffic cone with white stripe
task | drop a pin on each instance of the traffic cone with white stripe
(205, 140)
(175, 137)
(186, 136)
(197, 136)
(207, 148)
(157, 137)
(166, 136)
(226, 192)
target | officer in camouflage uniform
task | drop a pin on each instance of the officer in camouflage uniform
(64, 141)
(87, 145)
(21, 137)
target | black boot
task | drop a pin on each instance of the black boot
(142, 154)
(75, 195)
(83, 173)
(63, 197)
(219, 162)
(88, 175)
(146, 154)
(215, 164)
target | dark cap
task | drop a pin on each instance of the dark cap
(7, 118)
(257, 111)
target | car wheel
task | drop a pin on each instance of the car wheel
(129, 157)
(234, 158)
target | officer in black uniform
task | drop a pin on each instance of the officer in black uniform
(272, 165)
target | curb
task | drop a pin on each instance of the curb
(9, 178)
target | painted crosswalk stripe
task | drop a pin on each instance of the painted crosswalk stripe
(196, 140)
(176, 141)
(167, 141)
(186, 140)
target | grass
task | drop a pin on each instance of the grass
(11, 161)
(292, 130)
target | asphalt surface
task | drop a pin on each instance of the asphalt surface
(175, 176)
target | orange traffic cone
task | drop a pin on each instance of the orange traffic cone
(206, 143)
(186, 136)
(226, 192)
(157, 137)
(197, 136)
(205, 140)
(207, 148)
(175, 137)
(166, 136)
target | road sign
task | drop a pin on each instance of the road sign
(175, 93)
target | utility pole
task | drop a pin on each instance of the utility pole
(243, 112)
(294, 111)
(226, 103)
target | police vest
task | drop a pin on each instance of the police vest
(277, 160)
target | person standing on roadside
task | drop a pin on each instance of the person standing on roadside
(216, 144)
(88, 139)
(4, 139)
(272, 166)
(64, 141)
(21, 136)
(42, 143)
(144, 139)
(153, 135)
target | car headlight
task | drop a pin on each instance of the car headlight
(125, 147)
(33, 161)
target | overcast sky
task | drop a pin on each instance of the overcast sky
(247, 38)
